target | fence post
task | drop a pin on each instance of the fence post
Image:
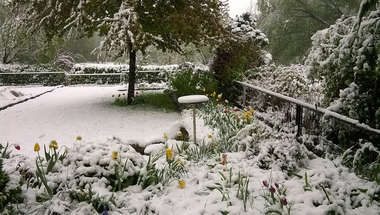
(299, 119)
(244, 95)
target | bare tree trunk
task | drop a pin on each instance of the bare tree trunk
(131, 75)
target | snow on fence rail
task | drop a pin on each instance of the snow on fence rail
(300, 105)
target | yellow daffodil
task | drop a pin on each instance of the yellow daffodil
(207, 95)
(179, 134)
(209, 136)
(165, 137)
(36, 147)
(114, 155)
(53, 144)
(181, 184)
(220, 96)
(169, 153)
(214, 94)
(79, 138)
(251, 110)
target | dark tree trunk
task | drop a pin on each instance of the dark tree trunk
(131, 75)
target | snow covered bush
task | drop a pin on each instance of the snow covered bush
(240, 53)
(287, 80)
(270, 149)
(10, 186)
(64, 60)
(346, 57)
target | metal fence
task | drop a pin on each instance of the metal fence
(310, 123)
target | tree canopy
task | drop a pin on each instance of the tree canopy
(129, 26)
(289, 24)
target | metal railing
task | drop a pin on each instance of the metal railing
(309, 118)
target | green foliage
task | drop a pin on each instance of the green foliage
(364, 160)
(99, 203)
(45, 166)
(228, 120)
(158, 101)
(148, 101)
(190, 82)
(171, 171)
(199, 152)
(235, 56)
(289, 24)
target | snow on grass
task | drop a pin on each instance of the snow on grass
(316, 185)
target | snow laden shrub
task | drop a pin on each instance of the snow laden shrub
(290, 81)
(241, 52)
(270, 149)
(190, 82)
(10, 191)
(65, 60)
(346, 56)
(110, 166)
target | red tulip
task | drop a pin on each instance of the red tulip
(17, 147)
(284, 201)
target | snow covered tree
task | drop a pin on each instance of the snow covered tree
(242, 52)
(289, 24)
(129, 26)
(17, 44)
(346, 56)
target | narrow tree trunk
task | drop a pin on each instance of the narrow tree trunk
(131, 75)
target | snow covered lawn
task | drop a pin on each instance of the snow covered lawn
(253, 181)
(67, 112)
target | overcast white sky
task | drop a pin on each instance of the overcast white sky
(237, 7)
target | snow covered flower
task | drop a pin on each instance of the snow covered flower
(17, 146)
(36, 147)
(224, 156)
(209, 135)
(114, 155)
(165, 136)
(284, 201)
(272, 189)
(236, 109)
(53, 144)
(265, 183)
(179, 134)
(226, 101)
(79, 138)
(169, 153)
(225, 111)
(181, 184)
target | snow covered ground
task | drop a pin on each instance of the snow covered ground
(213, 185)
(68, 112)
